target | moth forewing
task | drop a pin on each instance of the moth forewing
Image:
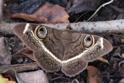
(44, 57)
(100, 48)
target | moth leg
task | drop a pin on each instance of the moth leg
(46, 62)
(74, 67)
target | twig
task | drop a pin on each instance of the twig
(1, 9)
(103, 5)
(114, 26)
(6, 28)
(18, 67)
(120, 10)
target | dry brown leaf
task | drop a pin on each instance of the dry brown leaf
(48, 13)
(26, 52)
(93, 75)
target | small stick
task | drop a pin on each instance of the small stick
(1, 9)
(103, 5)
(18, 67)
(108, 27)
(103, 27)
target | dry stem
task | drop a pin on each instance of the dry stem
(108, 27)
(114, 26)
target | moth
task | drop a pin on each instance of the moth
(67, 51)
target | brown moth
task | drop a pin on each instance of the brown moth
(67, 51)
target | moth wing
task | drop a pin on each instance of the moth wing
(74, 67)
(46, 62)
(101, 48)
(18, 30)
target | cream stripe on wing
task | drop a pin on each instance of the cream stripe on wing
(26, 28)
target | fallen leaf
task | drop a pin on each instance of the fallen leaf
(121, 81)
(121, 68)
(79, 6)
(93, 75)
(48, 13)
(5, 80)
(2, 80)
(26, 52)
(5, 56)
(34, 77)
(27, 6)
